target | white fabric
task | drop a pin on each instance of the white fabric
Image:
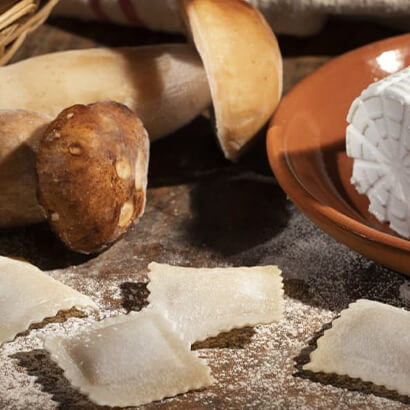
(295, 17)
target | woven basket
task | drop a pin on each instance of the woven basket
(17, 19)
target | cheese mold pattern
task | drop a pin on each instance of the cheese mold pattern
(378, 139)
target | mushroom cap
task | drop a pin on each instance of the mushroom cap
(92, 167)
(243, 63)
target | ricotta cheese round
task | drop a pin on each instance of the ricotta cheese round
(378, 139)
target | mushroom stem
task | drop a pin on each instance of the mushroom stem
(20, 133)
(165, 85)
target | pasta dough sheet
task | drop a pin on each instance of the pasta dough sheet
(129, 360)
(28, 295)
(204, 302)
(369, 341)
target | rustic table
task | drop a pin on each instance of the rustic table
(205, 211)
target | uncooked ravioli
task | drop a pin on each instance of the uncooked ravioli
(28, 295)
(369, 341)
(206, 301)
(129, 360)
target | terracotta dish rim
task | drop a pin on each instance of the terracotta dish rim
(311, 206)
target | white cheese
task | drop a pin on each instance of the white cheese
(378, 139)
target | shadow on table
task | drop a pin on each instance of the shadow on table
(234, 339)
(38, 363)
(61, 317)
(187, 156)
(192, 154)
(234, 206)
(326, 274)
(335, 380)
(234, 214)
(332, 283)
(40, 246)
(134, 295)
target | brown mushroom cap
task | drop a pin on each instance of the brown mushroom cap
(92, 173)
(242, 59)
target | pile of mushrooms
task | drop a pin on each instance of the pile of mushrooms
(86, 170)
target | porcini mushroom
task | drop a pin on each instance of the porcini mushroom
(92, 167)
(166, 85)
(243, 63)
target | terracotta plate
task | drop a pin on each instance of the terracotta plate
(306, 149)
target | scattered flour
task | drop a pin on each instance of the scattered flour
(255, 368)
(405, 293)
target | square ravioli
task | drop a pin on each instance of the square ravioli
(28, 295)
(129, 360)
(206, 301)
(370, 341)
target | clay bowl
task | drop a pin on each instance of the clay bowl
(306, 150)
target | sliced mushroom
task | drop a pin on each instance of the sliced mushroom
(242, 59)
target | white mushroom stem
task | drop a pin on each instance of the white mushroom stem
(165, 85)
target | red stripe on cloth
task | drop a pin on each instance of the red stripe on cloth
(129, 12)
(97, 9)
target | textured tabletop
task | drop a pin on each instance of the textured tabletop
(204, 211)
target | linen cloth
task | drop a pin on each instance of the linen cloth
(294, 17)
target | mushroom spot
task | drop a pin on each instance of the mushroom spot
(140, 172)
(75, 149)
(122, 167)
(55, 216)
(126, 213)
